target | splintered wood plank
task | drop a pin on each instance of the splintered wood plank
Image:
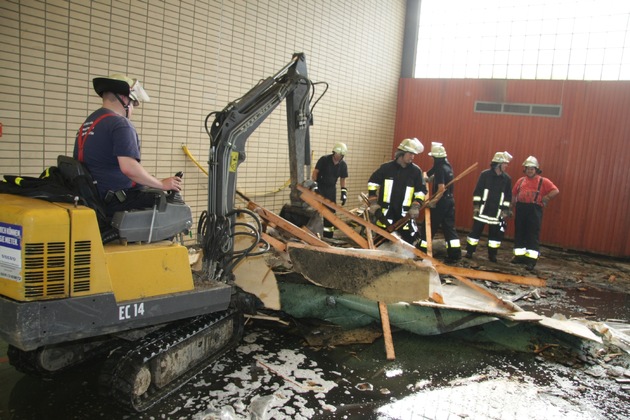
(339, 224)
(285, 225)
(387, 332)
(440, 267)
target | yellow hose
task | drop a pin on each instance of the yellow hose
(191, 157)
(187, 151)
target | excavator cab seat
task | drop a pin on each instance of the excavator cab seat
(168, 217)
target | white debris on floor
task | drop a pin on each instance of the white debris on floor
(272, 384)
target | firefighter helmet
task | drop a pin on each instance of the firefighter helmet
(340, 148)
(502, 157)
(122, 85)
(411, 145)
(531, 161)
(437, 150)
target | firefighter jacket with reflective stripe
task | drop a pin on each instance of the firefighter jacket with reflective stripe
(492, 195)
(397, 188)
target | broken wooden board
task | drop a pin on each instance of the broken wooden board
(253, 275)
(457, 272)
(285, 225)
(372, 274)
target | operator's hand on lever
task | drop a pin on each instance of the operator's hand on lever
(175, 186)
(173, 183)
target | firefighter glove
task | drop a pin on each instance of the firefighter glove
(344, 196)
(476, 211)
(414, 211)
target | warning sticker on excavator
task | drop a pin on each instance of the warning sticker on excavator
(233, 161)
(11, 251)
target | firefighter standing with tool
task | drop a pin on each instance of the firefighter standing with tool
(397, 187)
(531, 194)
(328, 170)
(442, 212)
(491, 206)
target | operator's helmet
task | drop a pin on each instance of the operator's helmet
(531, 162)
(502, 157)
(437, 150)
(122, 85)
(340, 148)
(411, 145)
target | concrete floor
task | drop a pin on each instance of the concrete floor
(481, 373)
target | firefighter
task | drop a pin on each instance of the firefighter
(397, 187)
(328, 170)
(108, 145)
(491, 206)
(443, 212)
(531, 194)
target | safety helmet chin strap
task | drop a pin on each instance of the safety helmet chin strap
(126, 106)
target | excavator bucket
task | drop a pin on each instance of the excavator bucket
(377, 275)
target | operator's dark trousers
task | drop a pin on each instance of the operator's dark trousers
(329, 192)
(527, 232)
(133, 198)
(443, 216)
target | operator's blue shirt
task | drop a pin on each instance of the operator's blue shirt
(112, 136)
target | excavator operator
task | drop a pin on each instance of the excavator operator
(108, 145)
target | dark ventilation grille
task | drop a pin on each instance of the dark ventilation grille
(519, 109)
(82, 266)
(44, 269)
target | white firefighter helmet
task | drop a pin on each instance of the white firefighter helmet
(531, 161)
(502, 157)
(411, 145)
(122, 85)
(437, 150)
(340, 148)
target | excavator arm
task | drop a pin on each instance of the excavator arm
(233, 126)
(228, 134)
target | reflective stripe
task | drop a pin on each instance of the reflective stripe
(520, 252)
(472, 241)
(419, 195)
(454, 243)
(532, 254)
(329, 229)
(408, 197)
(476, 199)
(372, 186)
(487, 219)
(423, 243)
(494, 244)
(387, 190)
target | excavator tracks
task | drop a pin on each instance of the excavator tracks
(140, 374)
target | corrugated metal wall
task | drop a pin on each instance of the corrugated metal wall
(585, 152)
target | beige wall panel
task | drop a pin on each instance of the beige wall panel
(194, 58)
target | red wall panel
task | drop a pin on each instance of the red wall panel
(585, 152)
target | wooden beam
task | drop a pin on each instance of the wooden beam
(285, 225)
(387, 332)
(440, 267)
(339, 224)
(277, 244)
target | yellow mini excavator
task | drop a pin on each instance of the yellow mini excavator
(67, 294)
